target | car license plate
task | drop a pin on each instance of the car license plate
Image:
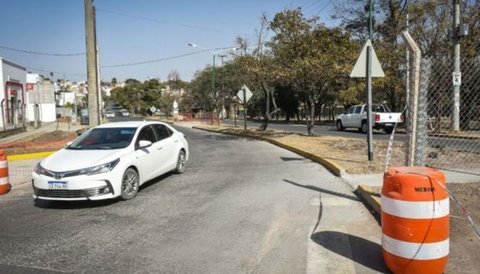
(57, 185)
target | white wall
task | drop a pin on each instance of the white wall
(48, 113)
(66, 97)
(10, 71)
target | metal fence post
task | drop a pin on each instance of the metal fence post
(422, 115)
(413, 104)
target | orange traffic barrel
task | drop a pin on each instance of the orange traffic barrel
(415, 220)
(4, 184)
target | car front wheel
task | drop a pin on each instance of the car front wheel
(130, 184)
(181, 162)
(339, 125)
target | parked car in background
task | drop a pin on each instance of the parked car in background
(125, 113)
(109, 161)
(84, 117)
(110, 114)
(356, 117)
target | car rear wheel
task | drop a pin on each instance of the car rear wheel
(339, 125)
(181, 162)
(130, 184)
(364, 127)
(389, 130)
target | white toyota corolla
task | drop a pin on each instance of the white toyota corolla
(111, 160)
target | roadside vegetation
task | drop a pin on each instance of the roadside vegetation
(298, 68)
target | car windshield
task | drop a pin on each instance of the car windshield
(104, 138)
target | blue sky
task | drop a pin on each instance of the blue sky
(130, 31)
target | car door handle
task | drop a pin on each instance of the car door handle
(159, 148)
(176, 141)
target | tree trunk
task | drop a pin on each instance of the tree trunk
(266, 115)
(311, 120)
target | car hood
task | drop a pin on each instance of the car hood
(70, 159)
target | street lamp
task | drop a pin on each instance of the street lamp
(214, 52)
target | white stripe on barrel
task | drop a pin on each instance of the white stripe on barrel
(416, 210)
(417, 251)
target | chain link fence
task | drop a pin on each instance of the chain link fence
(456, 152)
(438, 145)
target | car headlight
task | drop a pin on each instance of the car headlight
(107, 167)
(99, 169)
(41, 171)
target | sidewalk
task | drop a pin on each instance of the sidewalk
(46, 127)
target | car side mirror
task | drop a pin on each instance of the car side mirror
(144, 143)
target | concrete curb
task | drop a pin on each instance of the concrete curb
(371, 196)
(333, 167)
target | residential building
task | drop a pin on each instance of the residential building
(12, 94)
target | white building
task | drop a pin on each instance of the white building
(41, 99)
(12, 95)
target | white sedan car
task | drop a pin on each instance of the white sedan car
(111, 160)
(110, 114)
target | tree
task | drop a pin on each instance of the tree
(113, 81)
(264, 72)
(304, 48)
(132, 81)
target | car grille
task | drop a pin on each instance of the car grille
(67, 193)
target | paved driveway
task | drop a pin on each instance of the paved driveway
(243, 206)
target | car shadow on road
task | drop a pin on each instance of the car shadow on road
(359, 250)
(155, 180)
(46, 204)
(322, 190)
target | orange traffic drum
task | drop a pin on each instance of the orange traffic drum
(4, 184)
(415, 220)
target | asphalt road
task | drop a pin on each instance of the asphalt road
(454, 144)
(318, 129)
(242, 206)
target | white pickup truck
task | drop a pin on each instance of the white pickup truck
(356, 117)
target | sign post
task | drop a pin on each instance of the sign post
(244, 94)
(368, 66)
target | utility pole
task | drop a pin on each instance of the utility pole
(369, 83)
(97, 66)
(91, 63)
(456, 64)
(213, 84)
(407, 74)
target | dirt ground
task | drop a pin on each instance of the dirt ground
(464, 243)
(49, 141)
(347, 152)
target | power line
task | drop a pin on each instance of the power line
(162, 59)
(324, 7)
(42, 53)
(157, 21)
(312, 7)
(56, 72)
(309, 4)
